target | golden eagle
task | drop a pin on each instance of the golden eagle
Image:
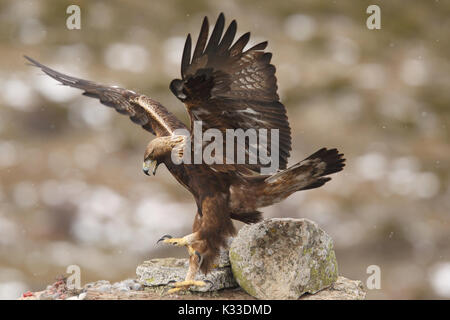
(225, 87)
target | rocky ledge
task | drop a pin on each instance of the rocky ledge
(130, 289)
(162, 272)
(273, 259)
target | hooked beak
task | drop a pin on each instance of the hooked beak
(150, 165)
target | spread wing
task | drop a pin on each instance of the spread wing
(228, 88)
(148, 113)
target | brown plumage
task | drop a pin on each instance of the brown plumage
(226, 88)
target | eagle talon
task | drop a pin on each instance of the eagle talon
(164, 237)
(208, 281)
(174, 290)
(179, 242)
(200, 258)
(185, 285)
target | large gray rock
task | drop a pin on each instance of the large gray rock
(161, 272)
(283, 259)
(342, 289)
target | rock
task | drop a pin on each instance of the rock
(132, 284)
(283, 259)
(273, 259)
(104, 287)
(48, 296)
(136, 287)
(82, 296)
(161, 272)
(223, 260)
(342, 289)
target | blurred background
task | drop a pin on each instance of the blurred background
(71, 186)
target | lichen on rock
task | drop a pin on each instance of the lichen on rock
(161, 272)
(283, 258)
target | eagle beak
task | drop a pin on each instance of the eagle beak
(150, 165)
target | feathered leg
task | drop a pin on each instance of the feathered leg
(211, 229)
(194, 246)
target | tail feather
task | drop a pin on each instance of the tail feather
(307, 174)
(332, 158)
(320, 182)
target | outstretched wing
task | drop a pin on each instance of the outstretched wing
(228, 88)
(148, 113)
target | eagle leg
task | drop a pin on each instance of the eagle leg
(195, 261)
(186, 241)
(179, 242)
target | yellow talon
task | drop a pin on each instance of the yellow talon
(173, 290)
(176, 241)
(189, 283)
(184, 285)
(185, 241)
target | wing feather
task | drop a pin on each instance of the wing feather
(239, 45)
(202, 39)
(228, 37)
(186, 59)
(259, 46)
(228, 88)
(216, 34)
(148, 113)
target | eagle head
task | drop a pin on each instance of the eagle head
(158, 151)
